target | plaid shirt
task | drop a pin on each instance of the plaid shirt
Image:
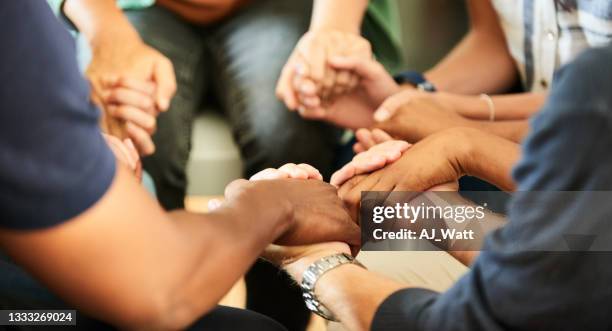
(542, 35)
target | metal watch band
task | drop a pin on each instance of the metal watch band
(312, 275)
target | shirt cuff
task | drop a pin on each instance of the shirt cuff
(402, 309)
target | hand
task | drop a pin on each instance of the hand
(439, 159)
(354, 108)
(288, 171)
(375, 158)
(310, 58)
(367, 139)
(413, 115)
(296, 259)
(125, 153)
(315, 211)
(132, 83)
(130, 111)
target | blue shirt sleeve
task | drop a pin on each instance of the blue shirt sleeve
(513, 287)
(54, 163)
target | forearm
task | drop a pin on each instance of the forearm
(518, 106)
(354, 294)
(481, 62)
(159, 273)
(511, 130)
(325, 15)
(489, 157)
(99, 20)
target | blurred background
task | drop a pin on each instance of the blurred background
(429, 30)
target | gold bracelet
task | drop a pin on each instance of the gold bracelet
(490, 104)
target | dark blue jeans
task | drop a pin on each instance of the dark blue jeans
(233, 66)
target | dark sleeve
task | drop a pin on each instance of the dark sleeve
(54, 163)
(528, 276)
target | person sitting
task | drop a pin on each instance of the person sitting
(82, 225)
(529, 275)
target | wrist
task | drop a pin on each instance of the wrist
(296, 266)
(105, 37)
(467, 150)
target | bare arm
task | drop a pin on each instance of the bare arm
(519, 106)
(127, 262)
(325, 15)
(481, 62)
(491, 158)
(101, 21)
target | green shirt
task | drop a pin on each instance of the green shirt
(381, 27)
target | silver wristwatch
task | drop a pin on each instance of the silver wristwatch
(312, 275)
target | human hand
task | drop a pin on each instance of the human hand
(435, 163)
(130, 111)
(288, 171)
(367, 139)
(132, 83)
(125, 153)
(310, 59)
(371, 160)
(316, 212)
(296, 259)
(413, 115)
(353, 108)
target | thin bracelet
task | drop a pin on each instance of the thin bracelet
(491, 105)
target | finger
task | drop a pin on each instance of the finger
(214, 204)
(133, 152)
(327, 85)
(313, 173)
(294, 171)
(141, 139)
(353, 82)
(312, 113)
(379, 136)
(284, 87)
(118, 149)
(368, 163)
(125, 96)
(358, 148)
(164, 76)
(234, 188)
(142, 86)
(314, 53)
(134, 115)
(270, 174)
(389, 150)
(305, 86)
(364, 136)
(310, 102)
(390, 106)
(352, 196)
(364, 68)
(343, 175)
(343, 79)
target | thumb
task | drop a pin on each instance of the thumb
(234, 188)
(163, 76)
(390, 106)
(366, 69)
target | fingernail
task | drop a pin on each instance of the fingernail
(164, 104)
(382, 115)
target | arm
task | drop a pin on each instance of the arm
(507, 107)
(481, 62)
(100, 21)
(325, 15)
(159, 269)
